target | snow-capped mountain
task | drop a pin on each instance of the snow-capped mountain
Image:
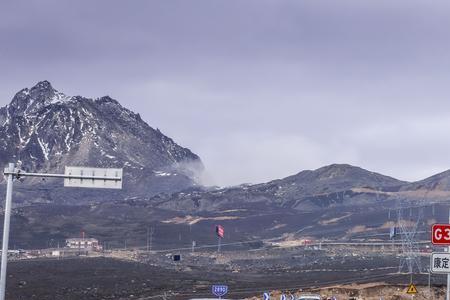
(44, 130)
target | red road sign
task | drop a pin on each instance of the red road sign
(440, 234)
(220, 231)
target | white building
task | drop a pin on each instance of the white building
(83, 243)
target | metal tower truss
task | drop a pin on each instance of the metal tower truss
(408, 222)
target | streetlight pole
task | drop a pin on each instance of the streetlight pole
(448, 275)
(71, 179)
(9, 186)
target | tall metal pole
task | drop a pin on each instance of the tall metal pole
(152, 230)
(7, 213)
(148, 237)
(429, 280)
(448, 275)
(10, 173)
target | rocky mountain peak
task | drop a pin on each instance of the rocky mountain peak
(45, 130)
(343, 173)
(42, 86)
(336, 170)
(107, 99)
(28, 101)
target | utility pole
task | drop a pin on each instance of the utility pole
(448, 275)
(73, 177)
(148, 237)
(429, 280)
(7, 212)
(150, 231)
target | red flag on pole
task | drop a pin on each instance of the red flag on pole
(220, 231)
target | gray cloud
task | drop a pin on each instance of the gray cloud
(259, 89)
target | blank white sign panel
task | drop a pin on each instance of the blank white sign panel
(97, 177)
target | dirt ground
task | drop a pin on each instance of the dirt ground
(369, 291)
(112, 278)
(376, 291)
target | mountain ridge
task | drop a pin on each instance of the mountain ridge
(44, 129)
(332, 185)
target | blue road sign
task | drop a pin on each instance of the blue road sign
(219, 290)
(266, 296)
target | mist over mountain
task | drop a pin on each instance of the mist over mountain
(44, 130)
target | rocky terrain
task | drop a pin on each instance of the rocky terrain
(44, 130)
(333, 185)
(344, 275)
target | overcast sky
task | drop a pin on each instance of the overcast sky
(258, 89)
